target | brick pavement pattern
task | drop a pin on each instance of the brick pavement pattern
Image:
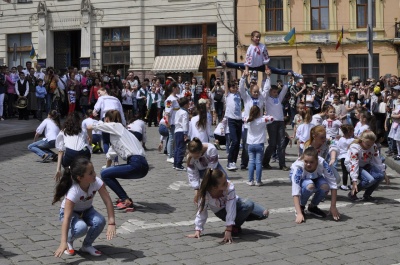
(368, 233)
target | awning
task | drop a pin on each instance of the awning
(177, 64)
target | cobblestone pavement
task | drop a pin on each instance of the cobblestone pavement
(368, 233)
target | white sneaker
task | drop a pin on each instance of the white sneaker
(231, 166)
(250, 183)
(91, 250)
(344, 187)
(170, 160)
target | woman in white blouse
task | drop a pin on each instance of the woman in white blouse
(71, 142)
(128, 147)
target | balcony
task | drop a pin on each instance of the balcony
(396, 39)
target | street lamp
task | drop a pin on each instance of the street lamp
(319, 54)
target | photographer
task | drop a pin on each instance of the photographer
(218, 95)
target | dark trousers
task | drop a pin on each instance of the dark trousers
(344, 171)
(23, 114)
(245, 154)
(70, 155)
(235, 133)
(219, 109)
(152, 118)
(179, 151)
(221, 139)
(40, 106)
(276, 140)
(11, 101)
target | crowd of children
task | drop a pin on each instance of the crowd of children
(342, 130)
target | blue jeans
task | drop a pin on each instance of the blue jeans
(138, 135)
(246, 210)
(235, 133)
(276, 134)
(228, 142)
(96, 138)
(106, 144)
(180, 148)
(70, 155)
(163, 130)
(79, 225)
(370, 177)
(134, 106)
(135, 168)
(319, 190)
(170, 143)
(256, 152)
(42, 147)
(261, 68)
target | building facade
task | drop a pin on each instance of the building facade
(318, 24)
(121, 34)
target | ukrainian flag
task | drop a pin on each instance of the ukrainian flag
(291, 37)
(32, 54)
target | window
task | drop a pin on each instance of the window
(284, 62)
(362, 13)
(319, 14)
(274, 15)
(18, 48)
(329, 72)
(358, 66)
(116, 42)
(24, 1)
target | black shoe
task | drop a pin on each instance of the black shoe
(284, 168)
(397, 158)
(316, 211)
(242, 167)
(267, 166)
(369, 198)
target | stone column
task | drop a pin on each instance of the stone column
(86, 35)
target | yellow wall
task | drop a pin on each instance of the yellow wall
(251, 16)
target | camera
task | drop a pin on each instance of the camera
(218, 83)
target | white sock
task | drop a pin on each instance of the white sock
(91, 250)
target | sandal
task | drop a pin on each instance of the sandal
(127, 207)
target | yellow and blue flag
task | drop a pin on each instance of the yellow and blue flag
(291, 37)
(32, 54)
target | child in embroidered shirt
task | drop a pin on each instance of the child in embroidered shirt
(343, 144)
(71, 99)
(233, 113)
(367, 122)
(181, 133)
(394, 132)
(78, 186)
(218, 194)
(303, 131)
(257, 59)
(331, 124)
(365, 166)
(299, 117)
(255, 142)
(311, 174)
(40, 98)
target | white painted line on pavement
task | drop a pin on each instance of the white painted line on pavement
(178, 184)
(133, 225)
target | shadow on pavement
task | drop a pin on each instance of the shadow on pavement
(120, 254)
(248, 235)
(158, 207)
(6, 254)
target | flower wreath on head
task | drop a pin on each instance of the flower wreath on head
(202, 101)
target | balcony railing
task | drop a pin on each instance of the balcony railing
(397, 30)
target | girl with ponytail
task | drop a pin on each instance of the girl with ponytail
(218, 194)
(78, 186)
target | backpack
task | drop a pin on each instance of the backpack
(218, 94)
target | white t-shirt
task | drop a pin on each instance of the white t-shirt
(106, 103)
(233, 106)
(359, 129)
(140, 127)
(203, 134)
(343, 145)
(89, 121)
(303, 133)
(171, 107)
(256, 130)
(332, 128)
(74, 142)
(316, 119)
(82, 200)
(50, 128)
